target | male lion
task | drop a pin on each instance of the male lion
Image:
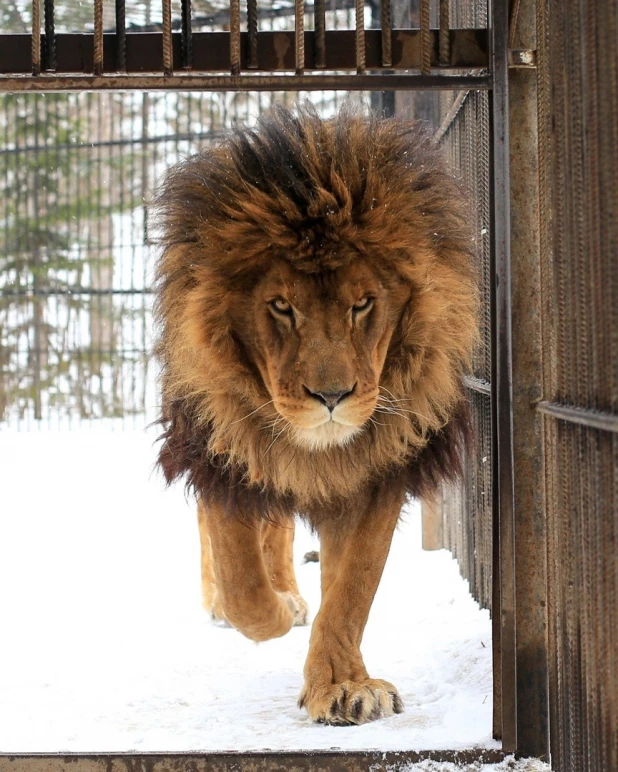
(317, 306)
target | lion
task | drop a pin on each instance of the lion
(317, 307)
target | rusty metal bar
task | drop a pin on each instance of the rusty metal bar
(319, 23)
(166, 29)
(50, 36)
(360, 36)
(35, 42)
(186, 35)
(252, 31)
(211, 51)
(444, 39)
(299, 761)
(595, 419)
(299, 35)
(450, 116)
(514, 15)
(235, 37)
(425, 37)
(121, 36)
(348, 82)
(98, 38)
(477, 384)
(528, 425)
(386, 24)
(501, 378)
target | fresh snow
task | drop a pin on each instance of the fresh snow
(105, 646)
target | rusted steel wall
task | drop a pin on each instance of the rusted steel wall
(579, 159)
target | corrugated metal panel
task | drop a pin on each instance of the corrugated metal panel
(579, 140)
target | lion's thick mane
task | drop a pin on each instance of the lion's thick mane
(314, 192)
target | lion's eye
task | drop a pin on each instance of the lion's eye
(281, 306)
(363, 304)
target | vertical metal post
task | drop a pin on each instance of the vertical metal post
(528, 434)
(387, 32)
(36, 37)
(299, 35)
(121, 36)
(360, 36)
(166, 28)
(319, 23)
(252, 29)
(98, 37)
(186, 35)
(501, 381)
(425, 37)
(444, 36)
(235, 37)
(50, 36)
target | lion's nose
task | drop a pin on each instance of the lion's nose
(330, 398)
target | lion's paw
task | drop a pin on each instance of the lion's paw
(212, 604)
(298, 606)
(352, 702)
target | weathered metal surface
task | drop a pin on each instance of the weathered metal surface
(306, 761)
(501, 378)
(477, 384)
(184, 82)
(579, 137)
(211, 51)
(595, 419)
(530, 529)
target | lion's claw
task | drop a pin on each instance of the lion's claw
(350, 702)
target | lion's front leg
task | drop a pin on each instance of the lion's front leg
(338, 689)
(236, 586)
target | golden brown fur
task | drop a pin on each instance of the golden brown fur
(317, 308)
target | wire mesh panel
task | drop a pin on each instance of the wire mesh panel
(467, 513)
(76, 174)
(580, 167)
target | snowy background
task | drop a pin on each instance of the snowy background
(105, 646)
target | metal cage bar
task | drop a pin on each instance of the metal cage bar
(50, 36)
(186, 35)
(167, 49)
(319, 23)
(121, 36)
(97, 57)
(235, 37)
(252, 31)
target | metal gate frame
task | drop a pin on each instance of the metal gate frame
(495, 79)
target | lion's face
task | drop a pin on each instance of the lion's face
(320, 341)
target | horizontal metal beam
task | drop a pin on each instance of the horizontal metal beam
(594, 419)
(299, 761)
(30, 294)
(477, 384)
(326, 81)
(211, 51)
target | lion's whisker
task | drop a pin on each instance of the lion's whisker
(270, 401)
(400, 411)
(275, 440)
(394, 399)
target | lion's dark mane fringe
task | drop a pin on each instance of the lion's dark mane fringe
(184, 455)
(442, 458)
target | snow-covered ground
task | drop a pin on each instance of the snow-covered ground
(105, 647)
